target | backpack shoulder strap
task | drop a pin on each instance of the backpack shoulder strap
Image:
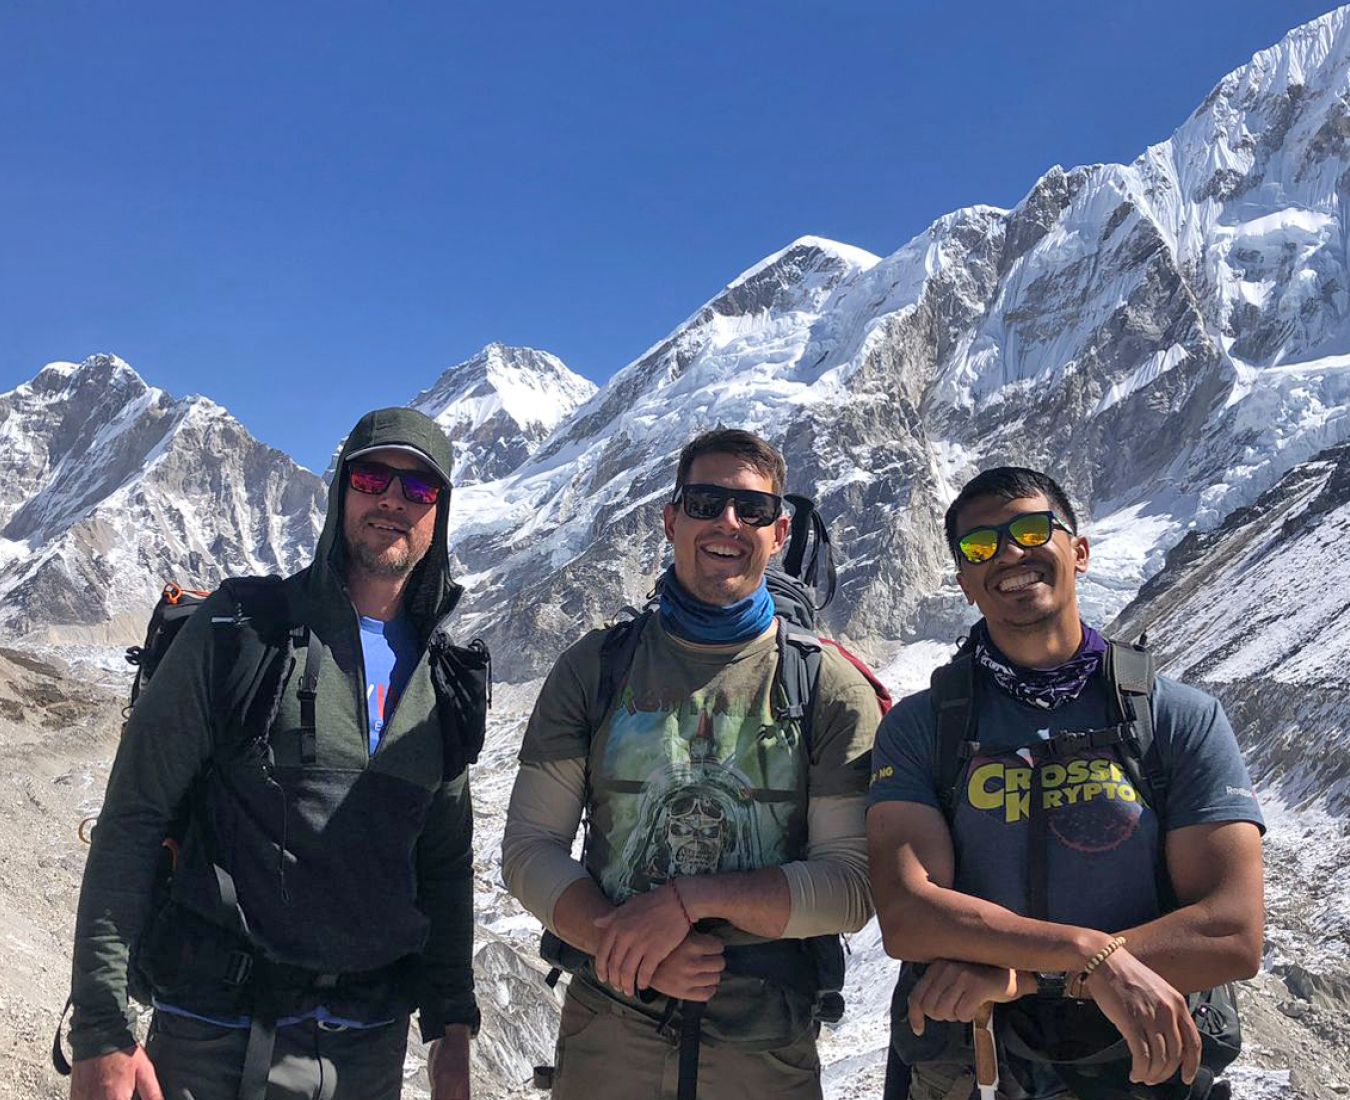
(808, 527)
(796, 674)
(248, 679)
(1131, 673)
(616, 658)
(257, 599)
(953, 698)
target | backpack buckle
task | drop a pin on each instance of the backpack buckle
(1067, 744)
(238, 968)
(828, 1007)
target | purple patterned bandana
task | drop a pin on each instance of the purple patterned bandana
(1046, 688)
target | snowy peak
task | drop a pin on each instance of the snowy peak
(767, 312)
(795, 277)
(1251, 193)
(535, 389)
(70, 436)
(498, 406)
(114, 488)
(1117, 327)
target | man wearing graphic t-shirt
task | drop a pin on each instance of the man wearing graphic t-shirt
(959, 890)
(718, 838)
(324, 885)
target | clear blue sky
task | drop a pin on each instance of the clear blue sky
(306, 209)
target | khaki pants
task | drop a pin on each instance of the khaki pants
(942, 1081)
(200, 1061)
(606, 1051)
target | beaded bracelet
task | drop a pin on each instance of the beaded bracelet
(1075, 989)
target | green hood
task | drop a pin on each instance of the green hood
(431, 594)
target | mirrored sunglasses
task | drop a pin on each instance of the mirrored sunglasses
(374, 478)
(753, 508)
(1029, 530)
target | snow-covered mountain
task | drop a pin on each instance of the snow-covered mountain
(112, 487)
(1169, 336)
(1258, 611)
(500, 405)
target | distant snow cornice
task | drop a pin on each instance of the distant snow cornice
(1270, 120)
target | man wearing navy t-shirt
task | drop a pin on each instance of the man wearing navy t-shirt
(1044, 872)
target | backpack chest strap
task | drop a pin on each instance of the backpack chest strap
(1062, 746)
(308, 694)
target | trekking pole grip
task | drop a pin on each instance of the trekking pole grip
(986, 1058)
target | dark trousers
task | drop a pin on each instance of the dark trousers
(201, 1061)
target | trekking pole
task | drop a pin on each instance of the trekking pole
(691, 1020)
(986, 1057)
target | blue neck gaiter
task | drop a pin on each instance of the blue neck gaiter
(707, 623)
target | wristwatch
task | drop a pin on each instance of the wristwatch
(1051, 983)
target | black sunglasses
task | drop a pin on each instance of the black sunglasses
(1029, 530)
(374, 478)
(753, 508)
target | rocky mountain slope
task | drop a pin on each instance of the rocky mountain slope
(1257, 611)
(112, 487)
(1170, 336)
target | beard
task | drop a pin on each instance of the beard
(397, 560)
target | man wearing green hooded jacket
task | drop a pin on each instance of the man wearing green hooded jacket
(323, 886)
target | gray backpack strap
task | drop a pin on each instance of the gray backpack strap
(616, 658)
(259, 640)
(953, 696)
(308, 694)
(1131, 673)
(797, 672)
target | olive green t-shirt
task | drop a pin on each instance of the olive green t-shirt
(691, 772)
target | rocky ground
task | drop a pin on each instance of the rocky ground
(58, 732)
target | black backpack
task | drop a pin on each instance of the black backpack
(259, 603)
(807, 569)
(256, 658)
(1083, 1047)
